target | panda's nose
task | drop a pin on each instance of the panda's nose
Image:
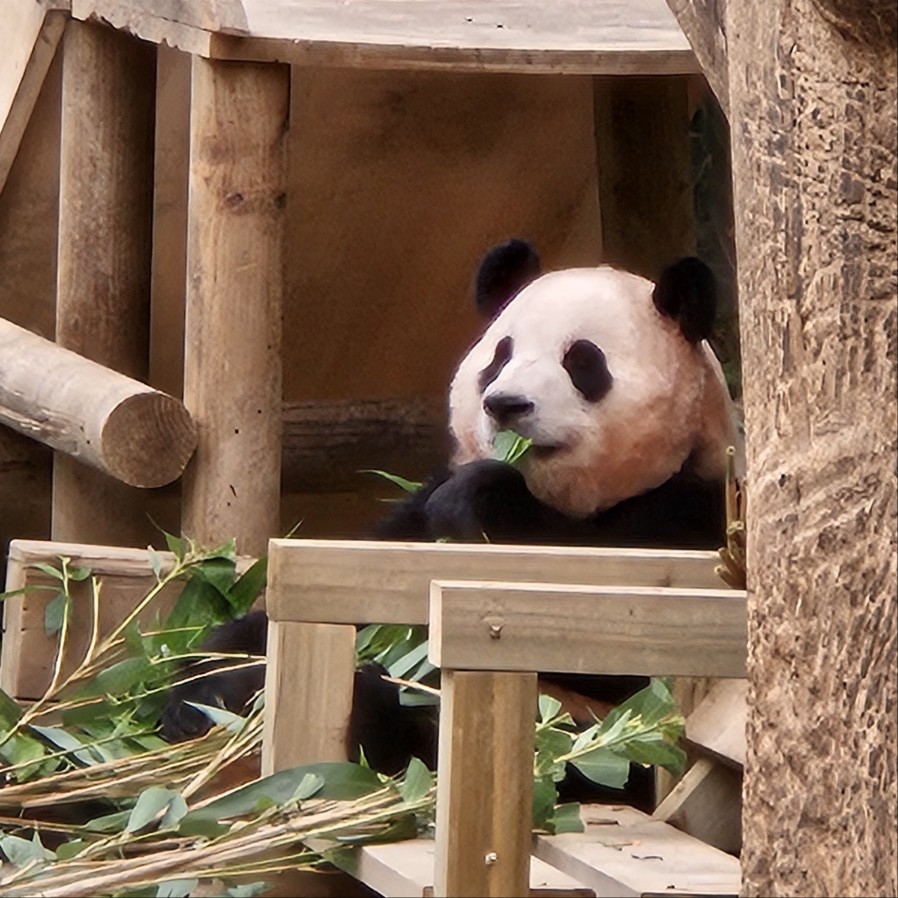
(504, 408)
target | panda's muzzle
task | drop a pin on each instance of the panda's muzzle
(506, 408)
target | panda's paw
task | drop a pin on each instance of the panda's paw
(180, 720)
(482, 500)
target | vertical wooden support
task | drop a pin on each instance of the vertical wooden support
(308, 693)
(232, 366)
(103, 280)
(484, 784)
(645, 191)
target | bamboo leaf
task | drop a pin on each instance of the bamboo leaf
(604, 767)
(417, 781)
(54, 614)
(248, 586)
(150, 804)
(567, 819)
(49, 570)
(176, 888)
(19, 851)
(548, 707)
(410, 486)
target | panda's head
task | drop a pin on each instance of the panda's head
(609, 375)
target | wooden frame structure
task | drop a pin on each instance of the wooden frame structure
(651, 612)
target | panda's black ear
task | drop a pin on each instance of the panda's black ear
(687, 292)
(504, 271)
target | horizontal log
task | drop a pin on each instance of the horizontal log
(100, 417)
(327, 444)
(588, 629)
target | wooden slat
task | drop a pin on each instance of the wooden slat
(308, 694)
(484, 784)
(232, 364)
(26, 662)
(717, 725)
(707, 803)
(609, 37)
(623, 852)
(405, 870)
(31, 35)
(345, 581)
(584, 629)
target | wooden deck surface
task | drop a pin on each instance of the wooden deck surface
(598, 37)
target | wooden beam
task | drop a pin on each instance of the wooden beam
(624, 852)
(118, 425)
(308, 694)
(484, 784)
(707, 804)
(103, 275)
(356, 581)
(717, 725)
(645, 187)
(587, 629)
(232, 366)
(704, 24)
(31, 37)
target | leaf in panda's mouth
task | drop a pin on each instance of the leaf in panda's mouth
(510, 447)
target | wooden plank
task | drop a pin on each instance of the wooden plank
(484, 784)
(26, 662)
(611, 37)
(405, 870)
(587, 629)
(103, 275)
(707, 804)
(232, 365)
(308, 694)
(357, 581)
(624, 852)
(717, 725)
(31, 37)
(114, 423)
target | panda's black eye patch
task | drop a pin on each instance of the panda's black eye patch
(500, 359)
(588, 370)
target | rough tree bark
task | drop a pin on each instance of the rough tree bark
(812, 93)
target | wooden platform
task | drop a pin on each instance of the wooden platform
(611, 37)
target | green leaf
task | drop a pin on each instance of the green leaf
(509, 446)
(309, 785)
(176, 888)
(548, 707)
(176, 545)
(120, 678)
(219, 572)
(79, 573)
(49, 570)
(417, 781)
(248, 890)
(544, 797)
(67, 742)
(155, 562)
(604, 767)
(175, 811)
(20, 852)
(67, 850)
(248, 586)
(232, 722)
(54, 614)
(410, 486)
(342, 782)
(567, 819)
(150, 804)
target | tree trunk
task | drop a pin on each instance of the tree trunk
(813, 116)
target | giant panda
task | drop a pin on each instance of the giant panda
(612, 379)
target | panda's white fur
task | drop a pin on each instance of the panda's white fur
(668, 401)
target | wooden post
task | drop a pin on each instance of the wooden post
(484, 784)
(232, 366)
(308, 694)
(642, 144)
(102, 305)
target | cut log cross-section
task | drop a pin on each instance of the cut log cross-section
(136, 434)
